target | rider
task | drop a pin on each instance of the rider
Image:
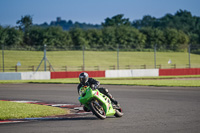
(94, 84)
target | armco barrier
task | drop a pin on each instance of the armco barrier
(174, 72)
(75, 74)
(107, 73)
(24, 75)
(35, 75)
(145, 72)
(10, 76)
(118, 73)
(132, 73)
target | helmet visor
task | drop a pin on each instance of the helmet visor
(83, 79)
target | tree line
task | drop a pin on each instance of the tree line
(171, 32)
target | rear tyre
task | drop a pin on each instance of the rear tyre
(97, 109)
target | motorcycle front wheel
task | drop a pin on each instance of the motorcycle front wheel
(97, 109)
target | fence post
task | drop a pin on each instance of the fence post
(83, 67)
(127, 66)
(189, 55)
(50, 68)
(174, 66)
(45, 59)
(97, 68)
(112, 67)
(155, 56)
(16, 68)
(65, 68)
(160, 66)
(3, 56)
(117, 56)
(33, 68)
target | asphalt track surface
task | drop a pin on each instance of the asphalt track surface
(146, 109)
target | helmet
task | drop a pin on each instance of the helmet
(83, 77)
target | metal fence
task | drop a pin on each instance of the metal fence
(46, 58)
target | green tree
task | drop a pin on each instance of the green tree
(14, 37)
(3, 34)
(117, 20)
(94, 37)
(129, 37)
(25, 22)
(55, 36)
(176, 40)
(108, 37)
(34, 36)
(78, 38)
(147, 21)
(11, 37)
(51, 36)
(153, 36)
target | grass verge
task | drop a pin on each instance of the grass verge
(13, 110)
(183, 81)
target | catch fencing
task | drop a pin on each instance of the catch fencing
(83, 58)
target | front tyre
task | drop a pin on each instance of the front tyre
(97, 109)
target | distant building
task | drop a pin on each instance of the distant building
(58, 19)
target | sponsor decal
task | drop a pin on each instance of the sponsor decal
(97, 94)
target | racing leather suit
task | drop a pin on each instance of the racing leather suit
(94, 84)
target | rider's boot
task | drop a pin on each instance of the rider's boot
(86, 109)
(112, 99)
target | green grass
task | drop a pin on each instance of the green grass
(13, 110)
(181, 83)
(142, 81)
(104, 59)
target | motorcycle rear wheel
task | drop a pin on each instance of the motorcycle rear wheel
(97, 109)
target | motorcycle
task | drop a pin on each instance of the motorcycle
(98, 103)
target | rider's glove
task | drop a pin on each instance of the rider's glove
(93, 86)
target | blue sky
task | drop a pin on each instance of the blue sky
(90, 11)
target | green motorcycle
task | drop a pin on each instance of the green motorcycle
(98, 103)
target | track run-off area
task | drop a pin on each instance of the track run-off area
(146, 109)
